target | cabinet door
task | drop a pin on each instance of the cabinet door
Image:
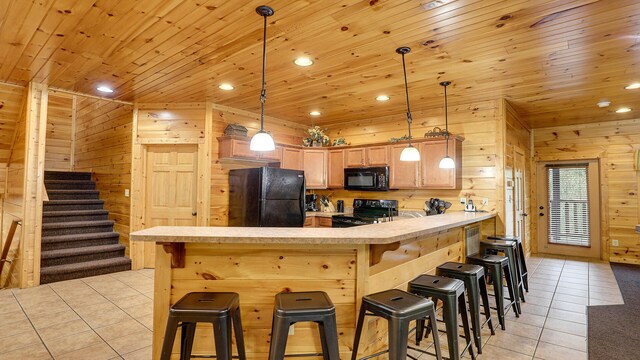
(292, 159)
(336, 169)
(354, 157)
(275, 155)
(432, 177)
(404, 174)
(377, 156)
(324, 222)
(236, 148)
(315, 168)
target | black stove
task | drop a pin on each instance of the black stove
(367, 212)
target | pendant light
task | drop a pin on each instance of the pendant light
(262, 141)
(446, 162)
(410, 153)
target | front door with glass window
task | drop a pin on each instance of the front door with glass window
(569, 208)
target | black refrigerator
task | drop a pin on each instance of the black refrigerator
(266, 197)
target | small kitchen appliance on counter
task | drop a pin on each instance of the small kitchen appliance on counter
(367, 212)
(340, 206)
(311, 202)
(470, 207)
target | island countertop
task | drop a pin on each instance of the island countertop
(381, 233)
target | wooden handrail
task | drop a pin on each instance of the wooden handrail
(7, 244)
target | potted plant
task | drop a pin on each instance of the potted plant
(316, 137)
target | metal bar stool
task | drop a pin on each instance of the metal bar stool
(522, 263)
(221, 309)
(310, 306)
(476, 286)
(452, 294)
(399, 308)
(509, 249)
(498, 268)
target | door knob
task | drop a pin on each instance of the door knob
(541, 214)
(525, 214)
(541, 208)
(195, 213)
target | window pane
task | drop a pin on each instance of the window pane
(568, 205)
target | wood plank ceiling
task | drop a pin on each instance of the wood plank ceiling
(552, 59)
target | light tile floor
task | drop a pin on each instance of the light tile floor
(110, 316)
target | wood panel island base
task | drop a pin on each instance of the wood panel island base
(258, 263)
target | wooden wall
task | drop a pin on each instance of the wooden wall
(60, 131)
(103, 146)
(481, 126)
(613, 143)
(12, 101)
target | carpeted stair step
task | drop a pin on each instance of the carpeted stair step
(51, 274)
(79, 240)
(74, 215)
(79, 255)
(77, 227)
(67, 205)
(73, 194)
(66, 175)
(69, 185)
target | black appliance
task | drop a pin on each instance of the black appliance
(311, 202)
(436, 206)
(340, 206)
(367, 178)
(367, 212)
(266, 197)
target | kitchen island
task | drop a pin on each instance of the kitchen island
(347, 263)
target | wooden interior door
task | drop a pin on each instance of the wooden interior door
(519, 191)
(170, 189)
(569, 219)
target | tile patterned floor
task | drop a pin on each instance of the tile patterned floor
(109, 316)
(102, 317)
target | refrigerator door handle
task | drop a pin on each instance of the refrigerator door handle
(302, 202)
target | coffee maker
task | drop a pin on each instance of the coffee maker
(311, 202)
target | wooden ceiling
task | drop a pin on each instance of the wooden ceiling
(552, 59)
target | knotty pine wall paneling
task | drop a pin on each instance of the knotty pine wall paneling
(614, 144)
(12, 102)
(478, 123)
(60, 131)
(103, 147)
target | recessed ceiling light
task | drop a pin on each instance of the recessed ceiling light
(382, 98)
(226, 86)
(633, 86)
(303, 61)
(623, 110)
(315, 113)
(104, 89)
(603, 103)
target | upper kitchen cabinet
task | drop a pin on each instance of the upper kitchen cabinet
(315, 168)
(403, 174)
(292, 158)
(336, 169)
(432, 177)
(231, 147)
(355, 157)
(275, 155)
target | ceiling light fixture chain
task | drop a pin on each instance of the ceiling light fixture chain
(446, 162)
(410, 153)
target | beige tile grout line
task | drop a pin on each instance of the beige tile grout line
(33, 326)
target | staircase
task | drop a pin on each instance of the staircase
(77, 236)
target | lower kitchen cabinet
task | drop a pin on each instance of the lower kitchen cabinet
(402, 174)
(315, 168)
(317, 221)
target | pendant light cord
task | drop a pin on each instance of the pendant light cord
(263, 93)
(446, 118)
(406, 91)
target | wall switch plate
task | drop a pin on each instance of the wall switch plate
(291, 331)
(126, 192)
(615, 243)
(463, 201)
(485, 201)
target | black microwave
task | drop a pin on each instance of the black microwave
(367, 178)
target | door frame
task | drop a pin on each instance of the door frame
(594, 182)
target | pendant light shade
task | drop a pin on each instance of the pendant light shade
(446, 162)
(410, 153)
(262, 141)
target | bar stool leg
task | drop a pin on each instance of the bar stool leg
(513, 295)
(222, 331)
(499, 295)
(359, 325)
(237, 329)
(462, 305)
(329, 338)
(279, 334)
(433, 325)
(485, 303)
(398, 336)
(523, 267)
(169, 337)
(186, 345)
(450, 315)
(474, 307)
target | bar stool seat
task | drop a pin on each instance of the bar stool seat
(509, 249)
(452, 294)
(310, 306)
(522, 263)
(476, 287)
(399, 308)
(498, 268)
(220, 308)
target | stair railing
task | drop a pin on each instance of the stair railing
(7, 244)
